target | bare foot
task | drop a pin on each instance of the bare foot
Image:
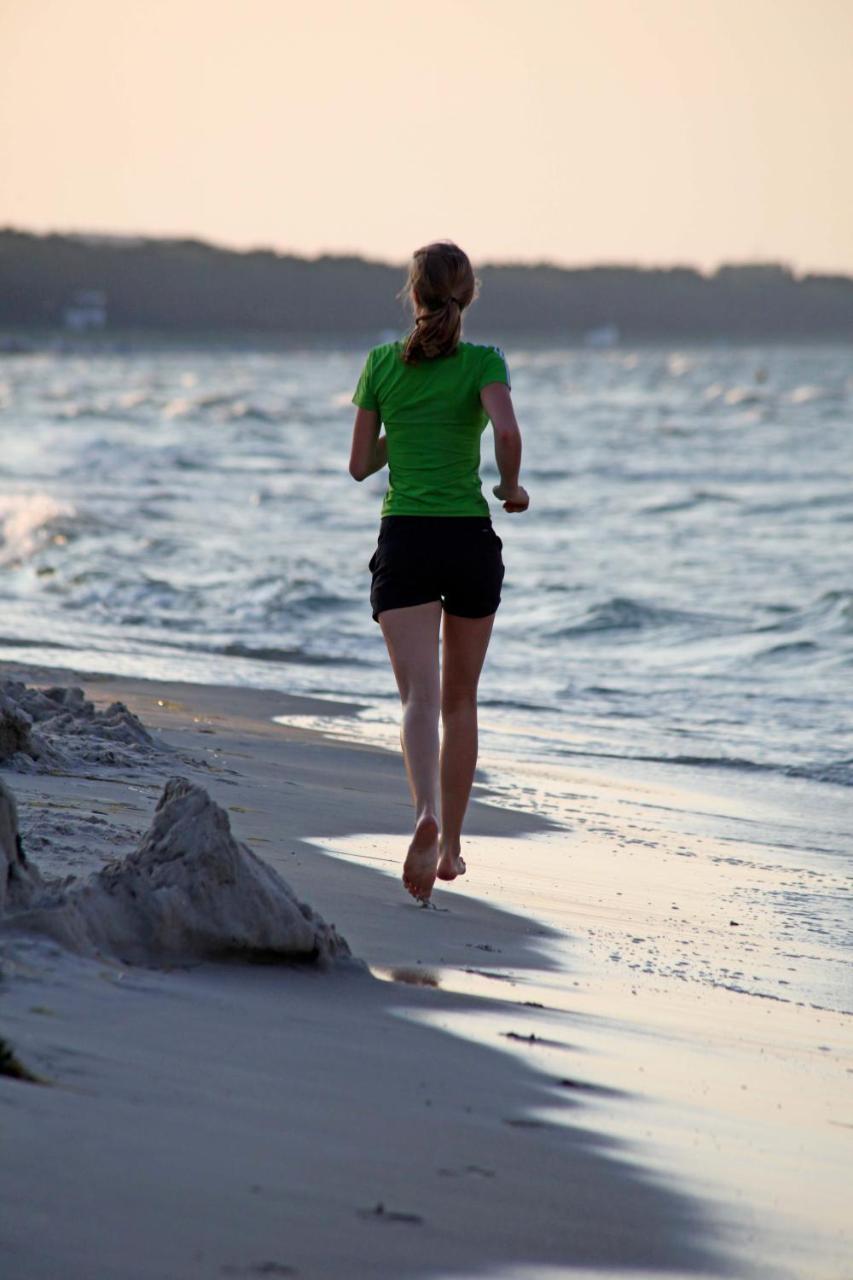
(450, 865)
(420, 865)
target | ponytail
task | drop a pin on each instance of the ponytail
(440, 284)
(436, 333)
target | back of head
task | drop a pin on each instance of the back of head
(440, 284)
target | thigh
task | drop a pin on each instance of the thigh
(463, 652)
(411, 634)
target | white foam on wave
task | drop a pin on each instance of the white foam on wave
(806, 393)
(189, 406)
(28, 522)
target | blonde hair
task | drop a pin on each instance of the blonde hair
(442, 283)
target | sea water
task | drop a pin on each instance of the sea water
(678, 598)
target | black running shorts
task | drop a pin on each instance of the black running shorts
(454, 559)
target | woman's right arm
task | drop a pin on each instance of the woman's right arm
(496, 399)
(369, 452)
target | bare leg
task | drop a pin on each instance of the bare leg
(411, 635)
(465, 641)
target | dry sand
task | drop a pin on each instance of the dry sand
(495, 1095)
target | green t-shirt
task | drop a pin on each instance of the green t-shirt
(433, 420)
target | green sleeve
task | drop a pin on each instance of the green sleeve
(494, 368)
(364, 396)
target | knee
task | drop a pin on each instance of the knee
(456, 700)
(420, 702)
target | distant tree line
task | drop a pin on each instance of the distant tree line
(188, 286)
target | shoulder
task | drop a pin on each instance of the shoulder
(482, 347)
(385, 351)
(490, 361)
(484, 350)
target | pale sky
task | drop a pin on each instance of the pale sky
(659, 132)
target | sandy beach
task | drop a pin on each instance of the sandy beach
(566, 1068)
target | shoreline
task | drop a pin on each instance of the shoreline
(378, 1104)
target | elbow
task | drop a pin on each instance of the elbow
(357, 472)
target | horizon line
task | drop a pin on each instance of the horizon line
(133, 237)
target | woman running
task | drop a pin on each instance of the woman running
(437, 567)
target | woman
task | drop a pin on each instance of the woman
(437, 565)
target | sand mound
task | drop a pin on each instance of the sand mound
(19, 880)
(15, 729)
(189, 891)
(58, 727)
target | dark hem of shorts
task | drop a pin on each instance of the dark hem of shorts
(473, 616)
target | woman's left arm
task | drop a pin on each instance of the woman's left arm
(369, 450)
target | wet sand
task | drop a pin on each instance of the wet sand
(551, 1073)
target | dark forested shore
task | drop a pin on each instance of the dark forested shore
(181, 287)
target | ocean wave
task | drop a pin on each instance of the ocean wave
(25, 642)
(698, 498)
(210, 525)
(30, 522)
(190, 406)
(832, 612)
(125, 404)
(269, 653)
(515, 704)
(243, 410)
(141, 600)
(794, 649)
(837, 607)
(807, 393)
(291, 601)
(228, 407)
(841, 498)
(835, 772)
(621, 613)
(737, 396)
(715, 762)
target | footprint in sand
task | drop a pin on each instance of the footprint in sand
(523, 1123)
(380, 1214)
(259, 1269)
